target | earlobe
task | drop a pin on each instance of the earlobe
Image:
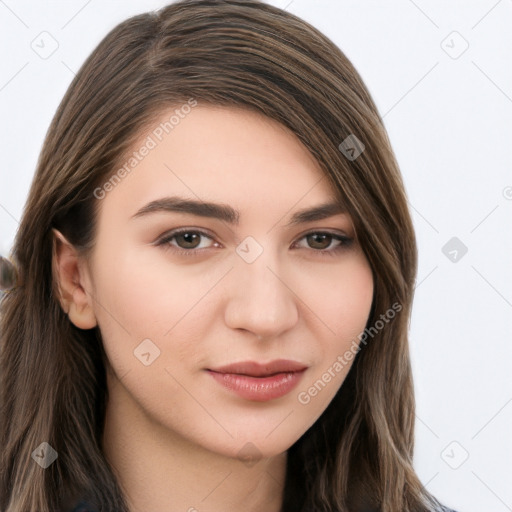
(71, 283)
(83, 318)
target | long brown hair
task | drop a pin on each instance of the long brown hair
(241, 53)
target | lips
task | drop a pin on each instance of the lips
(259, 382)
(254, 369)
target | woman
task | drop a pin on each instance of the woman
(215, 272)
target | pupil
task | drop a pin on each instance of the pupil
(319, 241)
(189, 239)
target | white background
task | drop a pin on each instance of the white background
(450, 124)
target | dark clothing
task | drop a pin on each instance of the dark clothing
(83, 506)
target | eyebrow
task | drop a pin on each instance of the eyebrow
(228, 214)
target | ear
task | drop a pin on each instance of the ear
(72, 279)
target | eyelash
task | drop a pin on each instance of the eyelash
(166, 239)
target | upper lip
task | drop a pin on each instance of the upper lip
(255, 369)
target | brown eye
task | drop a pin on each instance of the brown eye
(324, 242)
(319, 240)
(188, 240)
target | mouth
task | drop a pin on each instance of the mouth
(259, 382)
(255, 369)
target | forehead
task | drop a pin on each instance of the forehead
(223, 154)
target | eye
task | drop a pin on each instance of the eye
(186, 241)
(325, 242)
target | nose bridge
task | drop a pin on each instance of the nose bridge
(259, 298)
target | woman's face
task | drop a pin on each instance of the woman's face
(253, 279)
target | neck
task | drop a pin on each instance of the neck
(158, 469)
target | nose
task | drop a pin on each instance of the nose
(261, 300)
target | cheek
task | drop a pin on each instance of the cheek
(141, 299)
(341, 299)
(144, 292)
(343, 307)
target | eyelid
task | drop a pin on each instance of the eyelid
(330, 231)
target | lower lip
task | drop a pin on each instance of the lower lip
(259, 389)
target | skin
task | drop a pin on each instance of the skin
(172, 434)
